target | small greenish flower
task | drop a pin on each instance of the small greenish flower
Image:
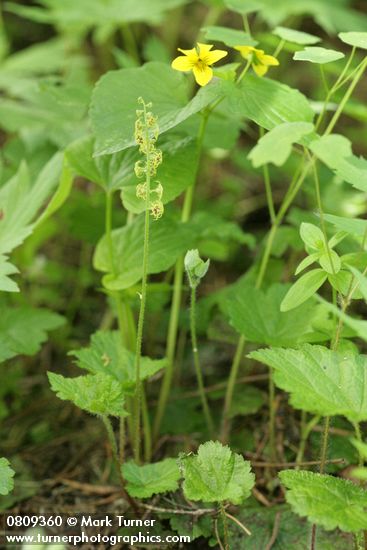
(195, 267)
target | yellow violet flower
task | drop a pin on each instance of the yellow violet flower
(199, 62)
(260, 61)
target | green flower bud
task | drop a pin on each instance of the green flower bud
(195, 267)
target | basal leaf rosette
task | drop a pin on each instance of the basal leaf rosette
(319, 380)
(326, 500)
(216, 474)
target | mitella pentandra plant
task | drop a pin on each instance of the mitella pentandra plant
(260, 61)
(199, 61)
(146, 134)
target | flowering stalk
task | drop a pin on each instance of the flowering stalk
(146, 134)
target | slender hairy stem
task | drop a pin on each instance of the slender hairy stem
(230, 389)
(176, 299)
(143, 298)
(269, 194)
(306, 429)
(358, 433)
(225, 526)
(199, 374)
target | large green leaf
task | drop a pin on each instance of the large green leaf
(107, 355)
(297, 37)
(326, 500)
(357, 39)
(266, 102)
(318, 55)
(246, 307)
(320, 380)
(115, 100)
(99, 394)
(6, 477)
(217, 474)
(168, 240)
(24, 329)
(230, 37)
(350, 225)
(276, 145)
(151, 479)
(336, 152)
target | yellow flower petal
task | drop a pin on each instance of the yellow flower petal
(245, 51)
(182, 63)
(203, 74)
(191, 54)
(214, 56)
(260, 69)
(204, 49)
(269, 60)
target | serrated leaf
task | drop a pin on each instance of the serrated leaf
(357, 39)
(326, 500)
(107, 355)
(230, 37)
(216, 474)
(276, 145)
(24, 329)
(320, 380)
(336, 152)
(246, 400)
(95, 393)
(318, 55)
(303, 289)
(6, 269)
(6, 477)
(297, 37)
(246, 306)
(168, 240)
(266, 102)
(151, 479)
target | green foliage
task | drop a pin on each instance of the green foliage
(24, 329)
(6, 477)
(151, 479)
(297, 37)
(230, 37)
(338, 503)
(320, 380)
(216, 474)
(107, 355)
(303, 289)
(95, 393)
(246, 306)
(6, 269)
(318, 55)
(357, 39)
(276, 145)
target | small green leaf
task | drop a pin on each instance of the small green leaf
(312, 236)
(349, 225)
(6, 477)
(216, 474)
(357, 39)
(230, 37)
(306, 262)
(244, 6)
(303, 289)
(330, 262)
(276, 145)
(326, 500)
(95, 393)
(24, 329)
(320, 381)
(107, 355)
(151, 479)
(362, 282)
(318, 55)
(297, 37)
(6, 269)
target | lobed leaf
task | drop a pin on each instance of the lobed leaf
(151, 479)
(216, 474)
